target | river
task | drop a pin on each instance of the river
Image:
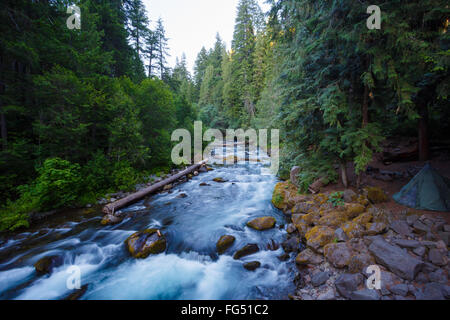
(189, 269)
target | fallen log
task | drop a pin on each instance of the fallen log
(122, 203)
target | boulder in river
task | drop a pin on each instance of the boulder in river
(252, 266)
(263, 223)
(224, 243)
(144, 243)
(77, 294)
(219, 180)
(111, 219)
(246, 251)
(47, 264)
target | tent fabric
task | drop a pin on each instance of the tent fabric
(428, 190)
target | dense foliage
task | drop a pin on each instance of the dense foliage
(333, 87)
(83, 112)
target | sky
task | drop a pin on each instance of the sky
(191, 24)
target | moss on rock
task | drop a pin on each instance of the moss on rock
(224, 243)
(263, 223)
(319, 236)
(375, 194)
(144, 243)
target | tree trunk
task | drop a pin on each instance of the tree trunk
(365, 107)
(4, 131)
(344, 174)
(424, 147)
(365, 115)
(115, 206)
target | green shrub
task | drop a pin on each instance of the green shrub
(337, 199)
(58, 184)
(124, 176)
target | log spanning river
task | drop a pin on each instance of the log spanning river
(192, 223)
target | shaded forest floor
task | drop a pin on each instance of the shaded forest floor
(440, 162)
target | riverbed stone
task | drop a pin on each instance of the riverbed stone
(409, 244)
(247, 250)
(47, 264)
(224, 243)
(290, 229)
(347, 283)
(365, 294)
(401, 227)
(375, 228)
(438, 276)
(329, 294)
(291, 245)
(263, 223)
(395, 259)
(340, 235)
(400, 289)
(77, 294)
(144, 243)
(338, 254)
(219, 180)
(111, 219)
(308, 257)
(438, 257)
(319, 278)
(252, 266)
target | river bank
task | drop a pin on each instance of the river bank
(340, 239)
(191, 216)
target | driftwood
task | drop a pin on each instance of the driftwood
(122, 203)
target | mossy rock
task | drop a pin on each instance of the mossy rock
(219, 180)
(353, 230)
(373, 229)
(375, 195)
(302, 229)
(246, 251)
(224, 243)
(263, 223)
(364, 218)
(278, 196)
(333, 219)
(354, 209)
(110, 219)
(252, 266)
(319, 236)
(311, 218)
(144, 243)
(47, 264)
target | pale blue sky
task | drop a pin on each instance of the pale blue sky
(191, 24)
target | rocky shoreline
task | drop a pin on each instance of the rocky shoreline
(336, 237)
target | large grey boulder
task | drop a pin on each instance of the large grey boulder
(395, 259)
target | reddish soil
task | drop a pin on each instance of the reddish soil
(392, 187)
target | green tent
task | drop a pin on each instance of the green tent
(428, 190)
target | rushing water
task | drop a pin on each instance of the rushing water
(190, 268)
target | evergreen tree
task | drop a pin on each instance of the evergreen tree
(162, 51)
